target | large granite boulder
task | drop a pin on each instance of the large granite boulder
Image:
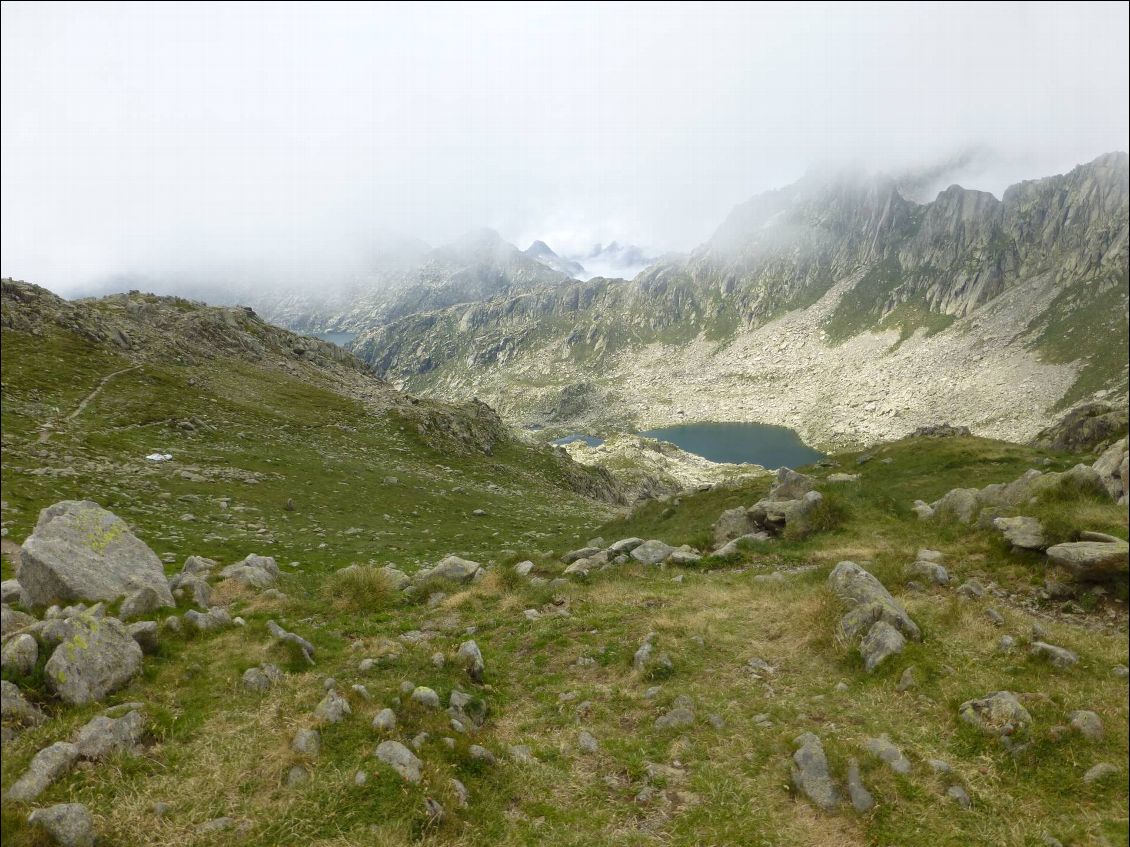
(80, 551)
(99, 657)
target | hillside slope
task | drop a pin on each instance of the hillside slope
(834, 306)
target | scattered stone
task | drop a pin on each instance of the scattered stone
(451, 568)
(939, 766)
(1091, 560)
(1021, 532)
(385, 720)
(971, 589)
(810, 773)
(999, 713)
(15, 709)
(145, 634)
(1097, 773)
(397, 579)
(1006, 643)
(861, 798)
(425, 697)
(255, 571)
(652, 552)
(1059, 657)
(104, 736)
(524, 568)
(995, 617)
(307, 742)
(98, 658)
(677, 717)
(80, 551)
(586, 742)
(471, 658)
(19, 655)
(296, 776)
(881, 642)
(1087, 723)
(959, 796)
(400, 759)
(906, 681)
(932, 571)
(868, 601)
(280, 634)
(333, 708)
(481, 754)
(66, 824)
(883, 748)
(462, 795)
(45, 767)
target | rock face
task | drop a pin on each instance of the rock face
(80, 551)
(826, 259)
(1113, 466)
(99, 657)
(1084, 428)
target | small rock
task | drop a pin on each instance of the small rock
(1059, 657)
(400, 759)
(861, 798)
(810, 773)
(307, 742)
(425, 697)
(1100, 772)
(959, 796)
(385, 720)
(66, 824)
(586, 742)
(1087, 723)
(333, 709)
(884, 749)
(20, 655)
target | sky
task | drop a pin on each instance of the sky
(281, 141)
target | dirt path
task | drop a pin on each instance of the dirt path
(49, 429)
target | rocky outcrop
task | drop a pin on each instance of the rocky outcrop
(954, 290)
(80, 551)
(1084, 429)
(874, 618)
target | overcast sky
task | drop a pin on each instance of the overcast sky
(282, 139)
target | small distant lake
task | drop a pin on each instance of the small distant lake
(590, 440)
(759, 444)
(339, 338)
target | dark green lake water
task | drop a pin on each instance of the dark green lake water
(759, 444)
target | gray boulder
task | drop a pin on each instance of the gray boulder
(12, 620)
(15, 709)
(20, 654)
(732, 524)
(790, 485)
(66, 824)
(307, 742)
(861, 798)
(999, 713)
(1111, 467)
(810, 773)
(471, 658)
(104, 736)
(883, 748)
(880, 643)
(652, 552)
(1092, 560)
(45, 767)
(255, 571)
(933, 572)
(11, 592)
(333, 708)
(145, 634)
(1059, 657)
(582, 553)
(98, 658)
(400, 759)
(867, 601)
(1022, 532)
(451, 568)
(141, 603)
(624, 545)
(80, 551)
